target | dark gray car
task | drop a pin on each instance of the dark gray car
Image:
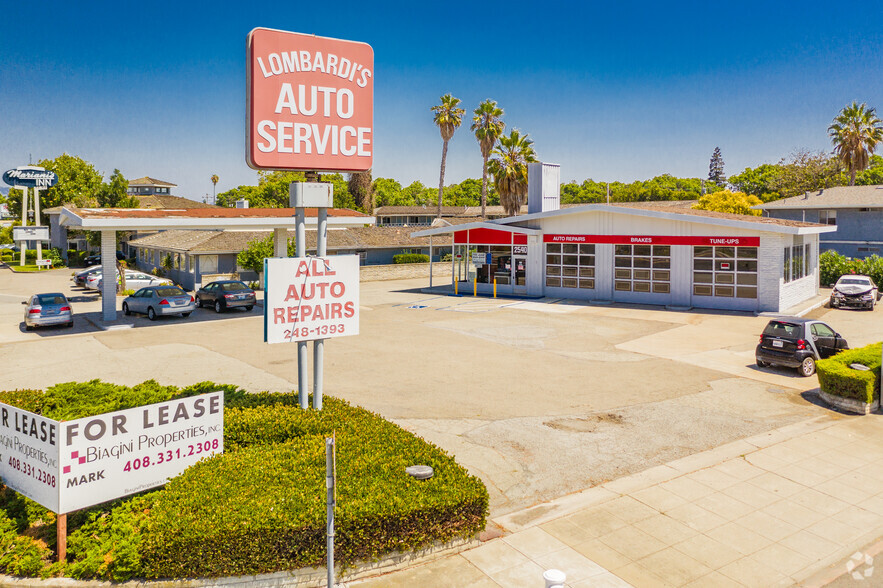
(159, 300)
(226, 294)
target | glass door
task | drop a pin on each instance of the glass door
(519, 274)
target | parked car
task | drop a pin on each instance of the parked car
(79, 277)
(134, 280)
(855, 291)
(159, 300)
(96, 258)
(797, 343)
(226, 294)
(44, 310)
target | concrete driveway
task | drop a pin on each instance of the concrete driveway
(539, 398)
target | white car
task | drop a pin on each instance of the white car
(134, 280)
(855, 291)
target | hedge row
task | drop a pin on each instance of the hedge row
(838, 379)
(260, 506)
(410, 258)
(832, 265)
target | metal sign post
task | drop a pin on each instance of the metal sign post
(330, 501)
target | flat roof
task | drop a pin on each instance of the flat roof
(134, 219)
(661, 210)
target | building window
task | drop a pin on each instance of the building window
(796, 262)
(728, 272)
(570, 265)
(642, 268)
(828, 217)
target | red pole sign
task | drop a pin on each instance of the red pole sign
(310, 102)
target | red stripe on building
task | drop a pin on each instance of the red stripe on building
(655, 240)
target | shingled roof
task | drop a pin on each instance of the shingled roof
(837, 197)
(159, 201)
(148, 181)
(207, 242)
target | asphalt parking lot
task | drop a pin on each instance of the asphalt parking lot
(539, 398)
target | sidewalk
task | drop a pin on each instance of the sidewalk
(771, 510)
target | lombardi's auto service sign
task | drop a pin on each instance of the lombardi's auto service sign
(69, 465)
(310, 102)
(309, 298)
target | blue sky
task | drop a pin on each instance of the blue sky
(609, 90)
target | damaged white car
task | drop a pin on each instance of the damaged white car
(855, 292)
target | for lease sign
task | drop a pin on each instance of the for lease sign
(311, 298)
(310, 102)
(69, 465)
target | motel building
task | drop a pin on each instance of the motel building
(660, 253)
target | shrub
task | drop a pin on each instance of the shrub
(75, 257)
(832, 265)
(210, 522)
(258, 507)
(410, 258)
(838, 379)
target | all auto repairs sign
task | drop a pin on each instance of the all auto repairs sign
(69, 465)
(310, 102)
(311, 298)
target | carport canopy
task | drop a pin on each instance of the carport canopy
(108, 221)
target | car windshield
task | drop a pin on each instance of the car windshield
(170, 291)
(46, 299)
(857, 281)
(780, 329)
(234, 287)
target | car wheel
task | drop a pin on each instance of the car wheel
(199, 302)
(218, 307)
(248, 308)
(807, 367)
(126, 310)
(833, 303)
(151, 314)
(761, 363)
(70, 325)
(185, 314)
(28, 327)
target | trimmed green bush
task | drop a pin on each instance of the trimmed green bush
(838, 379)
(410, 258)
(832, 265)
(260, 506)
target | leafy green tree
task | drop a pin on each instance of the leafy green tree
(762, 181)
(388, 192)
(417, 194)
(509, 169)
(249, 193)
(873, 176)
(806, 171)
(113, 194)
(252, 257)
(855, 133)
(716, 169)
(732, 202)
(488, 125)
(448, 117)
(362, 189)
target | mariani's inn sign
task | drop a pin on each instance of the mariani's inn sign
(310, 102)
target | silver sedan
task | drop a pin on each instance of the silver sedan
(155, 301)
(44, 310)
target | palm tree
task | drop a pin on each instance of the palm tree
(855, 133)
(509, 169)
(488, 126)
(448, 117)
(215, 179)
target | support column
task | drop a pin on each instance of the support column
(319, 344)
(280, 242)
(37, 221)
(300, 243)
(24, 220)
(108, 276)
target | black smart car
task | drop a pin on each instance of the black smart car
(797, 343)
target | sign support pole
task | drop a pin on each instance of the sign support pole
(300, 243)
(24, 220)
(330, 500)
(61, 536)
(36, 193)
(319, 344)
